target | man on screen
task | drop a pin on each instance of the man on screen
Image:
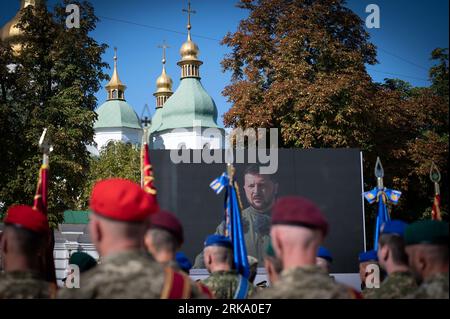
(260, 191)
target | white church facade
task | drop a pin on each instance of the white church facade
(186, 118)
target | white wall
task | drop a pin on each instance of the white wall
(124, 134)
(193, 138)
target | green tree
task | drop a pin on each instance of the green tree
(304, 62)
(439, 72)
(409, 129)
(117, 159)
(51, 83)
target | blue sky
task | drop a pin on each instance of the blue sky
(409, 31)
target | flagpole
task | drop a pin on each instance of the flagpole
(143, 143)
(435, 177)
(41, 204)
(382, 196)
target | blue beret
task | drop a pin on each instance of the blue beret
(218, 240)
(183, 261)
(368, 256)
(325, 254)
(394, 227)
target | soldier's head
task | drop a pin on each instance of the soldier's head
(164, 236)
(391, 246)
(120, 216)
(298, 229)
(218, 253)
(272, 264)
(427, 248)
(23, 238)
(324, 259)
(260, 189)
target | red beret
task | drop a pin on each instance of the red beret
(122, 200)
(28, 218)
(168, 221)
(294, 210)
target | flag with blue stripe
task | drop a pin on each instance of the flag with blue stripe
(233, 223)
(382, 196)
(371, 196)
(393, 195)
(219, 183)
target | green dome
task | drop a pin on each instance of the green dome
(156, 120)
(189, 102)
(117, 113)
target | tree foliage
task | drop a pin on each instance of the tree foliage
(299, 65)
(51, 83)
(118, 160)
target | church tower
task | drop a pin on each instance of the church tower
(163, 93)
(190, 111)
(117, 120)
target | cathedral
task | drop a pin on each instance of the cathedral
(186, 118)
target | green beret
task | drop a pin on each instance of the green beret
(432, 232)
(83, 260)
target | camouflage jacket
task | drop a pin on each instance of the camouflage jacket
(435, 287)
(25, 285)
(256, 227)
(129, 275)
(310, 282)
(396, 285)
(224, 284)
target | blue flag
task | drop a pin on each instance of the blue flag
(233, 223)
(381, 196)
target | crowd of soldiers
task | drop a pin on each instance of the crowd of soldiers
(139, 253)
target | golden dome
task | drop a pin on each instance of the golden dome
(189, 50)
(115, 87)
(115, 82)
(11, 30)
(164, 82)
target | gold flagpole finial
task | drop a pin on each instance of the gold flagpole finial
(379, 173)
(435, 177)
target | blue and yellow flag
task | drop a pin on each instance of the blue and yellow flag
(382, 197)
(233, 222)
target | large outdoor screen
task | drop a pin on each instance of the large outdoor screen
(329, 177)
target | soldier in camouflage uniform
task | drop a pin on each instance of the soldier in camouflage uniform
(163, 238)
(260, 191)
(427, 248)
(224, 282)
(393, 259)
(21, 243)
(298, 229)
(119, 220)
